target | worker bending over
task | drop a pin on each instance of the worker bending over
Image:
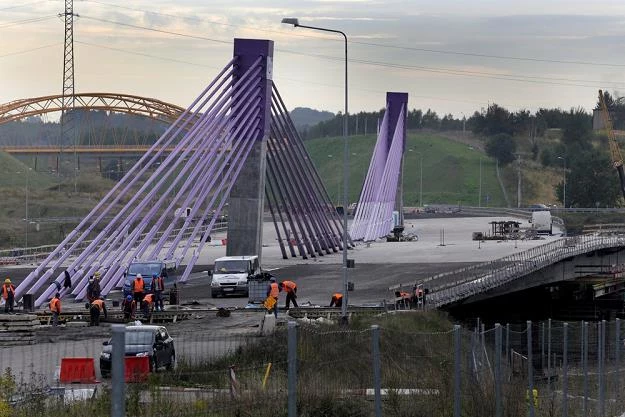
(337, 300)
(96, 309)
(129, 308)
(147, 304)
(291, 293)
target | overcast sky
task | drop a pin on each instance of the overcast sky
(451, 56)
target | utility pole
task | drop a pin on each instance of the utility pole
(518, 190)
(68, 91)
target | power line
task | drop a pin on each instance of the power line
(19, 6)
(26, 21)
(31, 50)
(373, 44)
(447, 71)
(146, 55)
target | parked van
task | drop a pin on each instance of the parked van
(542, 222)
(146, 269)
(231, 273)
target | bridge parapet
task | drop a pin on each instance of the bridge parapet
(476, 279)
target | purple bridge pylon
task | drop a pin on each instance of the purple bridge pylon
(235, 144)
(382, 190)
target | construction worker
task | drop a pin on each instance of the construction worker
(273, 291)
(291, 293)
(129, 308)
(55, 308)
(158, 286)
(97, 307)
(93, 289)
(138, 287)
(147, 304)
(8, 295)
(337, 300)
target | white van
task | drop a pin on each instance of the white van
(231, 273)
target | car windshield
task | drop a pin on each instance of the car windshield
(231, 267)
(145, 269)
(139, 338)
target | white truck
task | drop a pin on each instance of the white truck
(542, 222)
(231, 273)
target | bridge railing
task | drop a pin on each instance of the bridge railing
(17, 256)
(475, 279)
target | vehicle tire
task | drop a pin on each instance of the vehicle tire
(172, 362)
(214, 294)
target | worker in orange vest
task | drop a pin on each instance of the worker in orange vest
(158, 286)
(337, 300)
(8, 295)
(273, 290)
(147, 304)
(96, 309)
(291, 293)
(55, 308)
(137, 288)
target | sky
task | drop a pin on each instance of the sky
(451, 56)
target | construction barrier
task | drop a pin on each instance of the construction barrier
(77, 371)
(136, 368)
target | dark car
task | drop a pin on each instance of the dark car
(151, 341)
(147, 269)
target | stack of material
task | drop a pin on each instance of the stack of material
(17, 329)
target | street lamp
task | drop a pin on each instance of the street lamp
(27, 184)
(564, 182)
(295, 22)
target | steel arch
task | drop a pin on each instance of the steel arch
(114, 102)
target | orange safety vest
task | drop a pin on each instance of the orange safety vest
(337, 296)
(158, 284)
(99, 304)
(274, 290)
(148, 298)
(55, 305)
(138, 285)
(289, 286)
(404, 294)
(6, 288)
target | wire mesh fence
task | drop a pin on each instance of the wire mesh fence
(538, 369)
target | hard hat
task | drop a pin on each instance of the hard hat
(7, 281)
(97, 274)
(139, 276)
(154, 275)
(272, 279)
(129, 298)
(102, 297)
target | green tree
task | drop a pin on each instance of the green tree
(501, 147)
(591, 179)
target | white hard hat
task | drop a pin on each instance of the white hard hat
(139, 276)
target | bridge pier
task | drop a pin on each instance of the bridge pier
(247, 197)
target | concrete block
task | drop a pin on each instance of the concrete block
(77, 324)
(268, 324)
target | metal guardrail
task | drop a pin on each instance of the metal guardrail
(32, 254)
(476, 279)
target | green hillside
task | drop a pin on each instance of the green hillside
(451, 170)
(15, 173)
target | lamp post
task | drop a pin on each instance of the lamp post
(564, 181)
(479, 202)
(26, 220)
(295, 22)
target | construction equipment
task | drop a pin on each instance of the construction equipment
(398, 235)
(615, 151)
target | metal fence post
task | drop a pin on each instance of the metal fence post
(542, 345)
(617, 358)
(118, 394)
(508, 343)
(498, 380)
(530, 369)
(565, 370)
(457, 374)
(292, 372)
(602, 368)
(549, 353)
(377, 371)
(585, 364)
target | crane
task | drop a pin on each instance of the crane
(615, 151)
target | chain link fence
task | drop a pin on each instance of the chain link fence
(537, 369)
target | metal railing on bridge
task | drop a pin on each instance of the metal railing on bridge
(450, 287)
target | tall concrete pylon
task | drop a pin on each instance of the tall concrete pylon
(247, 197)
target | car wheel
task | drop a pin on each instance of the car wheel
(214, 294)
(172, 362)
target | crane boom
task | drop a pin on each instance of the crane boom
(615, 151)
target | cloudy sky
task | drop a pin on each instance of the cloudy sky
(451, 56)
